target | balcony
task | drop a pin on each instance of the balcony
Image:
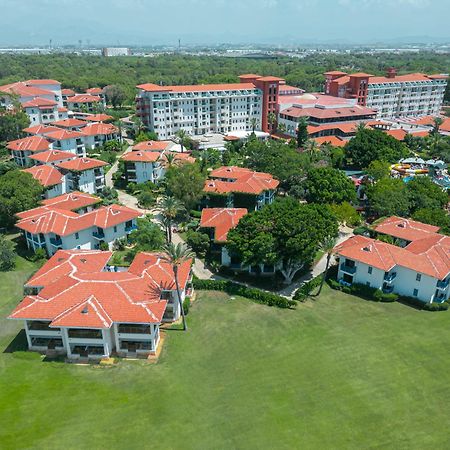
(98, 234)
(388, 289)
(85, 333)
(56, 242)
(390, 277)
(134, 329)
(130, 228)
(442, 284)
(348, 269)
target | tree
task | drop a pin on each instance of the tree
(176, 255)
(209, 158)
(7, 254)
(285, 233)
(272, 120)
(369, 145)
(437, 122)
(378, 169)
(185, 183)
(146, 199)
(145, 136)
(12, 124)
(423, 193)
(198, 241)
(327, 246)
(302, 132)
(170, 208)
(388, 197)
(108, 195)
(19, 191)
(346, 214)
(183, 139)
(254, 123)
(328, 185)
(115, 95)
(433, 216)
(147, 237)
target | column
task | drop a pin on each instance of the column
(65, 339)
(26, 333)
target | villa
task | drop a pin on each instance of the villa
(22, 149)
(79, 306)
(418, 265)
(70, 221)
(234, 187)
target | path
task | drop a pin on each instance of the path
(115, 166)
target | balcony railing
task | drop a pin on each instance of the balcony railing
(442, 284)
(56, 242)
(389, 277)
(388, 289)
(134, 329)
(40, 326)
(348, 269)
(130, 228)
(98, 234)
(85, 334)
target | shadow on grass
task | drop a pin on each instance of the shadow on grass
(18, 344)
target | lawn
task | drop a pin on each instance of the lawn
(337, 372)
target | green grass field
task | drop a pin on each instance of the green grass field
(338, 372)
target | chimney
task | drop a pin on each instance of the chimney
(391, 72)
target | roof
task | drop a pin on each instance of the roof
(407, 229)
(397, 133)
(77, 292)
(345, 127)
(155, 146)
(180, 157)
(38, 82)
(69, 123)
(64, 222)
(49, 156)
(97, 117)
(242, 180)
(335, 141)
(94, 91)
(150, 87)
(335, 72)
(99, 128)
(404, 78)
(39, 102)
(222, 220)
(329, 113)
(62, 135)
(23, 90)
(46, 175)
(40, 129)
(83, 98)
(30, 143)
(80, 164)
(67, 92)
(141, 156)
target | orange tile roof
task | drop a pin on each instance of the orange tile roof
(94, 90)
(78, 293)
(407, 229)
(52, 155)
(39, 102)
(72, 200)
(150, 87)
(40, 129)
(46, 175)
(38, 82)
(398, 134)
(345, 127)
(67, 92)
(83, 98)
(401, 78)
(62, 135)
(99, 128)
(31, 144)
(97, 117)
(154, 146)
(333, 140)
(243, 180)
(23, 90)
(222, 220)
(335, 72)
(69, 123)
(181, 157)
(328, 113)
(64, 222)
(141, 156)
(80, 164)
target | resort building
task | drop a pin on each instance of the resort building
(236, 187)
(67, 140)
(56, 225)
(22, 149)
(211, 108)
(49, 177)
(79, 306)
(85, 103)
(97, 134)
(393, 95)
(417, 265)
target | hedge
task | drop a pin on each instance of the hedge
(306, 288)
(233, 288)
(186, 305)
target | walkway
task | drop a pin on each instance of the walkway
(115, 166)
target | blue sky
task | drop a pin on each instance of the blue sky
(215, 21)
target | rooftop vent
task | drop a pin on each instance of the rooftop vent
(85, 310)
(402, 225)
(368, 248)
(83, 260)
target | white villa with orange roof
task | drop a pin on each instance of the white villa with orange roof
(417, 266)
(70, 222)
(22, 149)
(77, 305)
(228, 182)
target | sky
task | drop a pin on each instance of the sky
(156, 22)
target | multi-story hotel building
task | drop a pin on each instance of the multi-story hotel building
(393, 95)
(205, 108)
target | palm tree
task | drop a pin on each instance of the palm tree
(302, 131)
(254, 123)
(437, 122)
(182, 137)
(170, 208)
(282, 127)
(170, 159)
(327, 246)
(176, 255)
(272, 118)
(360, 127)
(311, 147)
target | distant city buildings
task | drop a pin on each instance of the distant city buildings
(116, 51)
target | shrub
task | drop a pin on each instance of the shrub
(232, 288)
(146, 199)
(305, 289)
(389, 298)
(7, 254)
(186, 305)
(119, 244)
(39, 255)
(103, 246)
(334, 284)
(195, 214)
(362, 231)
(435, 306)
(199, 242)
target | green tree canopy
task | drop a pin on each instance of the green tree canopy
(148, 236)
(369, 145)
(328, 185)
(115, 95)
(423, 193)
(19, 191)
(12, 124)
(286, 233)
(7, 254)
(388, 197)
(378, 169)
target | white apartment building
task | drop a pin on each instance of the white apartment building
(56, 226)
(417, 266)
(393, 95)
(79, 306)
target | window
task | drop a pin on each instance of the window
(367, 283)
(77, 236)
(115, 229)
(418, 277)
(369, 269)
(415, 292)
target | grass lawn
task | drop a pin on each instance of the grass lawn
(335, 373)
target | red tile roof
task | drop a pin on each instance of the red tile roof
(150, 87)
(62, 135)
(154, 146)
(52, 155)
(23, 90)
(398, 134)
(181, 157)
(407, 229)
(243, 180)
(100, 129)
(83, 98)
(69, 123)
(46, 175)
(39, 102)
(38, 82)
(72, 200)
(80, 164)
(333, 140)
(77, 293)
(141, 156)
(31, 144)
(94, 91)
(40, 129)
(97, 117)
(222, 220)
(68, 92)
(403, 78)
